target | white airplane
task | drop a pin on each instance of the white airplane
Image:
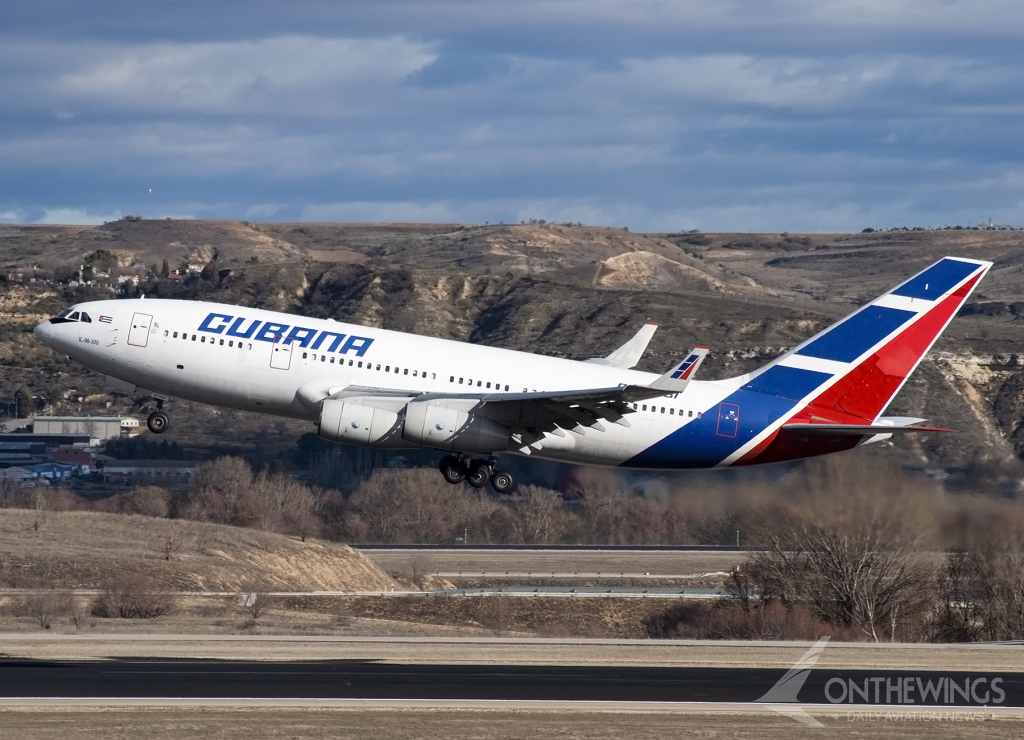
(379, 388)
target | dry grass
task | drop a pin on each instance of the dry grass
(403, 563)
(407, 724)
(84, 549)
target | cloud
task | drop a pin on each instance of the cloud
(782, 114)
(74, 216)
(380, 212)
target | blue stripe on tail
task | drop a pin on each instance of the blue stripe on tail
(847, 341)
(937, 280)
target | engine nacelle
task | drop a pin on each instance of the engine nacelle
(354, 423)
(451, 429)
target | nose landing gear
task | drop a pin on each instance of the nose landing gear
(158, 421)
(478, 473)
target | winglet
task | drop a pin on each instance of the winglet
(676, 379)
(629, 354)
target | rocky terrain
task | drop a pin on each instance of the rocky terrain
(566, 290)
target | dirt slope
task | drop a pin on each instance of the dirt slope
(82, 549)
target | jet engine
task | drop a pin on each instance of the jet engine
(437, 426)
(357, 424)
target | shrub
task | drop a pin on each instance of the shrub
(133, 596)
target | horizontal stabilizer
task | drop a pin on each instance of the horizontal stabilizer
(676, 379)
(854, 430)
(629, 354)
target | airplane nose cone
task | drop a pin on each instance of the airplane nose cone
(42, 331)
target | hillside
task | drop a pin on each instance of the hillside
(83, 549)
(564, 290)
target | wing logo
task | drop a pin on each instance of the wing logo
(685, 367)
(783, 695)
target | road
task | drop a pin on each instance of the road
(208, 680)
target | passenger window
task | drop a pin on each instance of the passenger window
(203, 339)
(433, 376)
(663, 409)
(221, 342)
(304, 354)
(671, 412)
(645, 407)
(460, 381)
(332, 359)
(360, 363)
(406, 371)
(175, 335)
(698, 414)
(193, 337)
(231, 343)
(378, 367)
(506, 387)
(349, 363)
(451, 379)
(488, 385)
(165, 332)
(479, 383)
(414, 373)
(691, 413)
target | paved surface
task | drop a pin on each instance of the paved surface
(360, 680)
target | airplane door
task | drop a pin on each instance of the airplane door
(138, 335)
(728, 419)
(281, 357)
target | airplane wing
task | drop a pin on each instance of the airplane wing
(537, 419)
(629, 354)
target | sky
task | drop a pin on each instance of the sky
(658, 116)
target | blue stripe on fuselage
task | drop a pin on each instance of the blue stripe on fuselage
(761, 402)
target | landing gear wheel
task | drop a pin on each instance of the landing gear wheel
(502, 481)
(479, 474)
(452, 469)
(158, 422)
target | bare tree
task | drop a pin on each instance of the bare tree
(255, 598)
(46, 606)
(133, 596)
(537, 515)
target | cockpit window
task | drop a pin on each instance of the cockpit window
(67, 315)
(85, 318)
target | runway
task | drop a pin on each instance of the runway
(363, 680)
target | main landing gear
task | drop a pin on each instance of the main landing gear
(477, 473)
(158, 421)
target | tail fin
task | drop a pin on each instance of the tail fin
(850, 372)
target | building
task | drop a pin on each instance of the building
(155, 471)
(95, 427)
(52, 471)
(21, 453)
(76, 456)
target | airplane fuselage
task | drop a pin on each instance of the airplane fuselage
(276, 363)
